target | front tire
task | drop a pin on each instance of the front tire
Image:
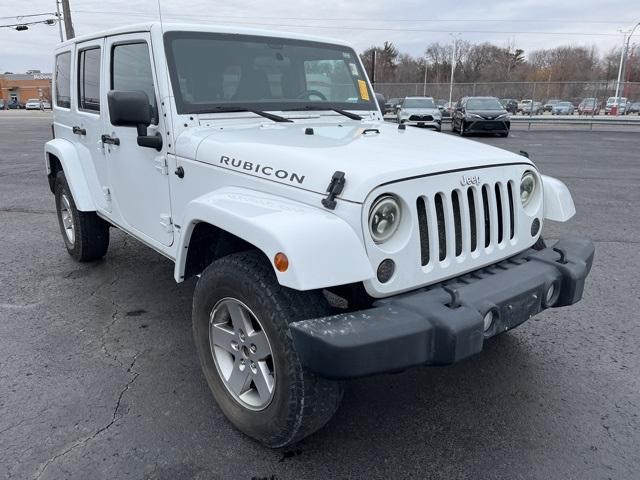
(241, 319)
(85, 235)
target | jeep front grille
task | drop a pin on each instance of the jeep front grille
(465, 221)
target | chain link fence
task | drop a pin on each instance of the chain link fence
(573, 92)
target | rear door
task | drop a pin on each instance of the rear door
(138, 175)
(86, 121)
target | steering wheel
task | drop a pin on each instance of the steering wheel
(310, 93)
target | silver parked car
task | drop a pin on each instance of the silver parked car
(419, 111)
(563, 108)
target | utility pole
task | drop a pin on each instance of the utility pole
(59, 20)
(373, 67)
(68, 24)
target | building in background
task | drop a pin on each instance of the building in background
(20, 87)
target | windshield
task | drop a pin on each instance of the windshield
(564, 104)
(33, 100)
(210, 70)
(419, 103)
(484, 104)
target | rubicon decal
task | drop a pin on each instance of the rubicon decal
(262, 169)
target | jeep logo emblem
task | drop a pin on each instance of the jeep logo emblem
(468, 180)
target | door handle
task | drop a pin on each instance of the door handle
(79, 131)
(110, 140)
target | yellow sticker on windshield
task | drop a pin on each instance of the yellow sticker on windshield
(364, 91)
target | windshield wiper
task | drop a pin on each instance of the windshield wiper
(270, 116)
(350, 115)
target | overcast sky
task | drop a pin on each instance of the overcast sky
(410, 24)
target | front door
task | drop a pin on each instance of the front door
(138, 176)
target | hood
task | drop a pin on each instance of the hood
(421, 111)
(370, 153)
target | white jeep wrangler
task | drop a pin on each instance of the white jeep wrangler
(327, 244)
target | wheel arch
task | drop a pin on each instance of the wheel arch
(323, 250)
(60, 155)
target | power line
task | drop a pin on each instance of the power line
(386, 20)
(353, 27)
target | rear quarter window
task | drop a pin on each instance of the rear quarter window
(89, 79)
(63, 80)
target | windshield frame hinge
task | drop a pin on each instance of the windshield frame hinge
(161, 165)
(334, 189)
(166, 222)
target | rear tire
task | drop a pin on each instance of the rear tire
(85, 235)
(297, 402)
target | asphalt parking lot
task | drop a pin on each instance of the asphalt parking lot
(99, 378)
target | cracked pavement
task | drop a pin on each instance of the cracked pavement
(99, 378)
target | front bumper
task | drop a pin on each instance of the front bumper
(480, 126)
(444, 323)
(435, 123)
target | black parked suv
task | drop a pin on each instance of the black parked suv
(510, 105)
(480, 115)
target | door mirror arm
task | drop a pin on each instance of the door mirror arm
(149, 141)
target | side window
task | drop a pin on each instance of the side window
(131, 70)
(89, 79)
(63, 80)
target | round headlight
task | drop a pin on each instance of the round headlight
(527, 187)
(384, 218)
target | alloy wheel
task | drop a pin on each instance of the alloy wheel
(242, 354)
(66, 216)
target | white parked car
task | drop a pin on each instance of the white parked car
(522, 104)
(33, 104)
(327, 244)
(419, 111)
(618, 102)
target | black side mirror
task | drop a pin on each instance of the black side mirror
(132, 109)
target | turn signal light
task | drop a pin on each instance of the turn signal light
(281, 262)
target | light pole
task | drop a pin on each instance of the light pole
(59, 20)
(623, 57)
(453, 64)
(424, 87)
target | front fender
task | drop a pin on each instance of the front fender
(323, 250)
(558, 203)
(72, 167)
